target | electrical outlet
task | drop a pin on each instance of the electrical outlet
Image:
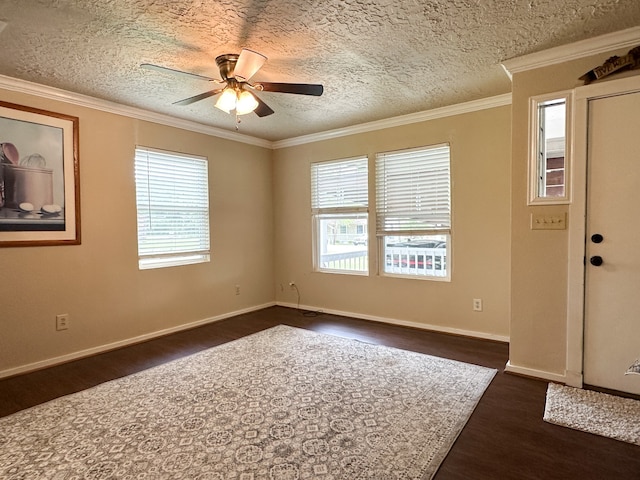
(237, 289)
(477, 304)
(62, 321)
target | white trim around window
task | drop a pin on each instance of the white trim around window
(339, 208)
(413, 212)
(172, 203)
(541, 142)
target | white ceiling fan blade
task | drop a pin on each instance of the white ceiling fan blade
(249, 62)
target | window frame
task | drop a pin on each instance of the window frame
(382, 233)
(534, 196)
(329, 212)
(151, 255)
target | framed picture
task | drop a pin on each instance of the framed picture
(39, 177)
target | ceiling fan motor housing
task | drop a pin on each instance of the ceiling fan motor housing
(227, 64)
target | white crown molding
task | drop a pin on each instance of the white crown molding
(448, 111)
(22, 86)
(52, 93)
(564, 53)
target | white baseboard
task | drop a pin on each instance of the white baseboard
(149, 336)
(404, 323)
(574, 379)
(532, 372)
(123, 343)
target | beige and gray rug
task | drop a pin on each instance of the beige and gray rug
(593, 412)
(283, 404)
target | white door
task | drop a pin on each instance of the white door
(612, 289)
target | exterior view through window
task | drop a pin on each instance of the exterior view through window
(172, 201)
(339, 201)
(413, 211)
(551, 148)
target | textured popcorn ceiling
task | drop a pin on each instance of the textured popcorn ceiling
(376, 58)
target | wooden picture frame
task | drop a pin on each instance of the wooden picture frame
(39, 177)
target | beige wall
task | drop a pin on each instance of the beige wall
(480, 165)
(98, 283)
(539, 259)
(261, 239)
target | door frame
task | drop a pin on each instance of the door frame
(578, 217)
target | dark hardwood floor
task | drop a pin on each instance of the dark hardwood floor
(505, 438)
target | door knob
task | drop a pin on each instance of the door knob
(597, 238)
(596, 260)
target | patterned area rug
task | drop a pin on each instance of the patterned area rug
(283, 404)
(593, 412)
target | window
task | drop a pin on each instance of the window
(413, 208)
(549, 149)
(172, 200)
(339, 202)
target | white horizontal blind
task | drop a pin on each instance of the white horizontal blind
(413, 191)
(339, 186)
(339, 204)
(172, 201)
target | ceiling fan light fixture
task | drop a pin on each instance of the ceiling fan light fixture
(249, 62)
(246, 103)
(235, 71)
(227, 101)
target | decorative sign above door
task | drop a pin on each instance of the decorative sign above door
(630, 61)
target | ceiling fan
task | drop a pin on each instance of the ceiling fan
(236, 90)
